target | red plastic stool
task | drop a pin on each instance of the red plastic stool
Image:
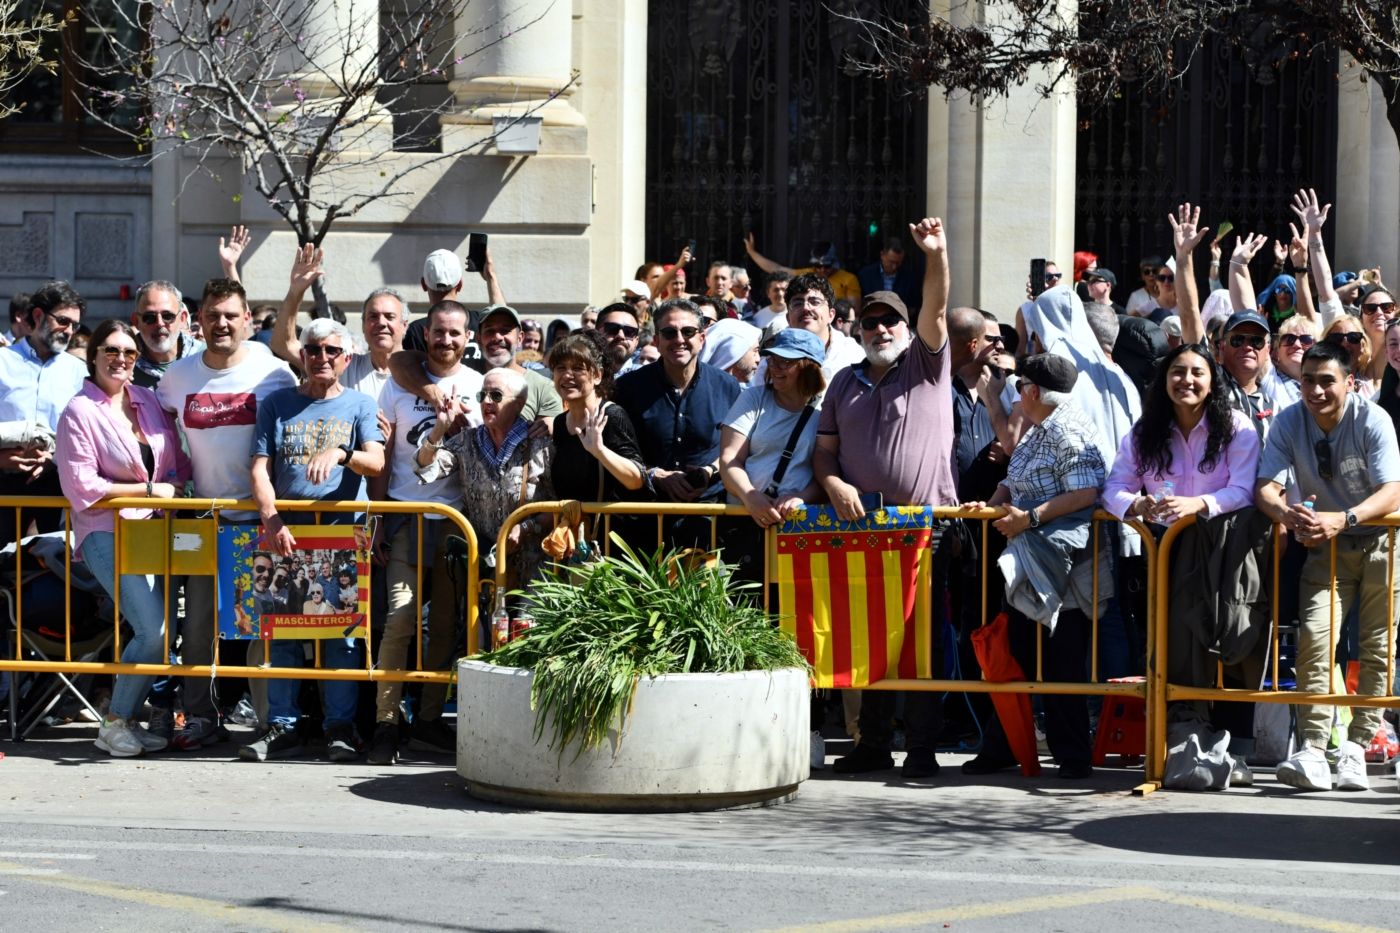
(1122, 724)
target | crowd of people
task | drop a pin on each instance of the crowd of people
(852, 390)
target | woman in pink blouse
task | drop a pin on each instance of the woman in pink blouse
(1192, 437)
(1189, 436)
(114, 439)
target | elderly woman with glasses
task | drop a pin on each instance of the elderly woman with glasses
(1348, 333)
(114, 439)
(498, 465)
(1292, 340)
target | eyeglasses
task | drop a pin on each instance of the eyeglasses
(1354, 338)
(262, 570)
(1164, 279)
(633, 299)
(1289, 340)
(495, 396)
(1378, 307)
(1256, 341)
(612, 329)
(129, 354)
(1323, 451)
(62, 320)
(150, 317)
(889, 320)
(809, 301)
(528, 324)
(671, 333)
(321, 349)
(1052, 277)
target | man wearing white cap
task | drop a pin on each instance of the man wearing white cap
(732, 345)
(638, 296)
(442, 280)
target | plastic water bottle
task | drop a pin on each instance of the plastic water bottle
(1310, 503)
(1167, 489)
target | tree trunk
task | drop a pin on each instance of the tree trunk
(320, 305)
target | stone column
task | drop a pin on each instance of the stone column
(1007, 176)
(515, 54)
(1368, 166)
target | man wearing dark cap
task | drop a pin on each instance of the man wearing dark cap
(1097, 287)
(892, 274)
(887, 427)
(1052, 483)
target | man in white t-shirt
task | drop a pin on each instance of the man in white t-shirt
(776, 290)
(809, 306)
(214, 396)
(383, 322)
(411, 419)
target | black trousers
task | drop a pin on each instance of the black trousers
(1064, 659)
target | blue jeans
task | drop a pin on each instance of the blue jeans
(143, 608)
(337, 696)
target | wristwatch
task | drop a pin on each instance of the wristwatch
(1352, 520)
(349, 452)
(1034, 516)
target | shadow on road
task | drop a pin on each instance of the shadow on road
(1338, 840)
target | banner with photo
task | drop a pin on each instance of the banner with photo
(320, 591)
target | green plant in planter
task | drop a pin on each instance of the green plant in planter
(598, 629)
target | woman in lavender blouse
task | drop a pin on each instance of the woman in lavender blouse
(114, 439)
(1189, 436)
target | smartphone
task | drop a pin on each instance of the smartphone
(1037, 277)
(690, 245)
(476, 252)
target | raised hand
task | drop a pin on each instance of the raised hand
(231, 250)
(1246, 247)
(590, 433)
(1297, 249)
(1310, 211)
(929, 235)
(1280, 252)
(306, 266)
(1187, 233)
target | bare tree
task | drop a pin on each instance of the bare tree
(1109, 43)
(305, 97)
(22, 49)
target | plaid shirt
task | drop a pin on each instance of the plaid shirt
(1058, 455)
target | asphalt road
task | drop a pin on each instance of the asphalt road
(203, 843)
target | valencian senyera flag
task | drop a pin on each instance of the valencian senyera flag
(855, 595)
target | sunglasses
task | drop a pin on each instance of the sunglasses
(150, 317)
(62, 320)
(1052, 277)
(888, 320)
(612, 329)
(1289, 340)
(1323, 451)
(1256, 341)
(129, 354)
(261, 570)
(1378, 307)
(321, 349)
(1147, 270)
(671, 333)
(996, 341)
(708, 322)
(1353, 338)
(1166, 278)
(495, 396)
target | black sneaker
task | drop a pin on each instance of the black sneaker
(341, 742)
(1075, 770)
(862, 760)
(278, 741)
(988, 764)
(920, 763)
(384, 748)
(432, 735)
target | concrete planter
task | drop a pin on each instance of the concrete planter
(692, 742)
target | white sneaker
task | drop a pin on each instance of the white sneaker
(1306, 769)
(114, 736)
(818, 751)
(1240, 775)
(149, 740)
(1351, 767)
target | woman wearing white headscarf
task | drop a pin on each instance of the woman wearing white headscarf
(732, 345)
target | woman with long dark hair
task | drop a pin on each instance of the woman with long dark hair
(1193, 454)
(1190, 437)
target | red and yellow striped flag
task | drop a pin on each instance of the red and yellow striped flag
(855, 595)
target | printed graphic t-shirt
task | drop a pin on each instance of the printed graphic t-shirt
(217, 410)
(293, 428)
(412, 419)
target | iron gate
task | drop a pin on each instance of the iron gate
(1238, 136)
(755, 124)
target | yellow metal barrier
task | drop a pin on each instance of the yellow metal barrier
(161, 559)
(1168, 693)
(1148, 690)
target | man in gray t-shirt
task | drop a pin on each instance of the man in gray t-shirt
(1340, 450)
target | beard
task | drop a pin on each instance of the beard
(56, 343)
(887, 355)
(161, 344)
